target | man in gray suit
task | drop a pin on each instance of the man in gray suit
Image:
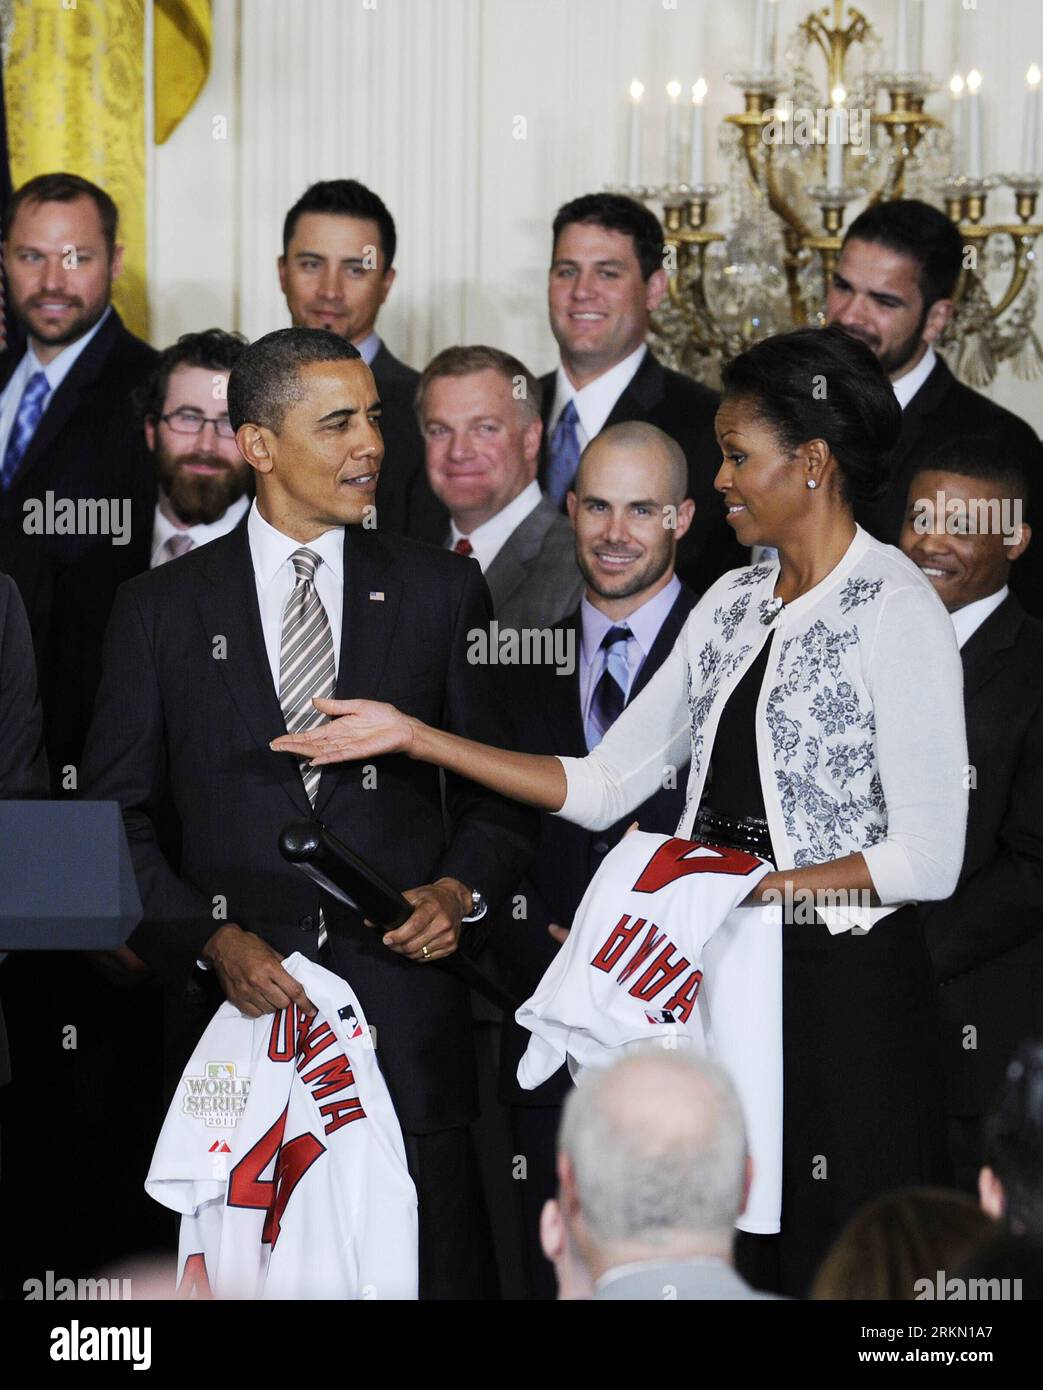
(653, 1171)
(479, 414)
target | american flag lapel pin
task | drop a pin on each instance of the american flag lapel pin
(376, 595)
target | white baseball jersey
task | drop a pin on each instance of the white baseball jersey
(660, 951)
(283, 1153)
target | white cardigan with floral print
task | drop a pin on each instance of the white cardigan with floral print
(861, 740)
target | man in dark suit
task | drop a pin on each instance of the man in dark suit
(336, 272)
(630, 511)
(23, 763)
(987, 939)
(892, 290)
(223, 648)
(67, 425)
(200, 488)
(479, 412)
(606, 278)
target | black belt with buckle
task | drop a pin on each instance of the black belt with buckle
(729, 832)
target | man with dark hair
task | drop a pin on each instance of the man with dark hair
(245, 638)
(893, 289)
(606, 279)
(198, 491)
(479, 413)
(336, 272)
(965, 529)
(67, 426)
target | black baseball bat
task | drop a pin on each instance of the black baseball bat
(338, 870)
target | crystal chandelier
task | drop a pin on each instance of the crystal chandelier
(797, 161)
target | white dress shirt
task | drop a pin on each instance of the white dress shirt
(370, 346)
(163, 528)
(906, 387)
(270, 551)
(55, 371)
(968, 619)
(594, 401)
(489, 539)
(644, 624)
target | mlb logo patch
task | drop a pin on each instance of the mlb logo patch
(348, 1016)
(660, 1016)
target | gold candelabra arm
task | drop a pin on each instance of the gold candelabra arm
(835, 42)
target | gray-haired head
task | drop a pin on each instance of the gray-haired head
(265, 380)
(657, 1146)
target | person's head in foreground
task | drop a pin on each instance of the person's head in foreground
(805, 427)
(652, 1169)
(1010, 1184)
(964, 523)
(899, 1241)
(306, 415)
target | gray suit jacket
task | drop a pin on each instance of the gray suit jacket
(687, 1280)
(534, 580)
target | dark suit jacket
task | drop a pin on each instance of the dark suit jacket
(683, 409)
(548, 713)
(89, 442)
(945, 409)
(534, 579)
(23, 766)
(986, 941)
(406, 505)
(185, 713)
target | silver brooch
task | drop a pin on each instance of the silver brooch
(770, 608)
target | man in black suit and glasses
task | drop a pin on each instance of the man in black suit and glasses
(606, 278)
(223, 650)
(892, 290)
(336, 270)
(965, 529)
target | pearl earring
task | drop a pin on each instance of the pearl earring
(812, 483)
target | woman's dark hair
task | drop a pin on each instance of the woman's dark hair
(820, 383)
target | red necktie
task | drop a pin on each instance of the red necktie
(463, 546)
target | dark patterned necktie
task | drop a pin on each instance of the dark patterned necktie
(30, 410)
(610, 693)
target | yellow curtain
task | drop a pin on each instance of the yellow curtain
(74, 80)
(182, 59)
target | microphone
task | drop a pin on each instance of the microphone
(309, 846)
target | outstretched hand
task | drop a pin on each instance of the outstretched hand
(357, 729)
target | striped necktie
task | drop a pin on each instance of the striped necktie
(610, 693)
(172, 547)
(307, 668)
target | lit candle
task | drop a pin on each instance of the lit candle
(973, 163)
(955, 117)
(916, 44)
(836, 135)
(902, 37)
(637, 91)
(759, 49)
(696, 170)
(1030, 138)
(673, 133)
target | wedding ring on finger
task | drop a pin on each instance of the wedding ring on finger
(425, 953)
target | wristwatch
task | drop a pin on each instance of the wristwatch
(479, 907)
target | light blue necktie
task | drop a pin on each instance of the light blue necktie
(30, 409)
(564, 455)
